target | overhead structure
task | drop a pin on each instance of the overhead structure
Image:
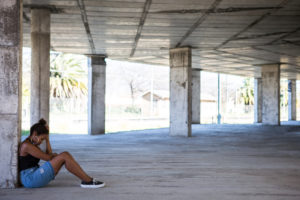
(227, 36)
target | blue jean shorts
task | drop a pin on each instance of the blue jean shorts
(36, 177)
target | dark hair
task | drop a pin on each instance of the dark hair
(40, 128)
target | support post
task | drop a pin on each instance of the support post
(271, 94)
(96, 98)
(257, 100)
(10, 90)
(196, 94)
(180, 91)
(292, 99)
(219, 117)
(40, 65)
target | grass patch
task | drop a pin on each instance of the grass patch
(25, 132)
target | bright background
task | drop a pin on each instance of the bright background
(137, 96)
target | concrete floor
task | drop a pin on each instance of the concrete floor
(219, 162)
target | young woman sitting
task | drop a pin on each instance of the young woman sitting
(32, 175)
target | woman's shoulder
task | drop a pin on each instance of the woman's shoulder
(24, 146)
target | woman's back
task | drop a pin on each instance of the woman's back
(26, 162)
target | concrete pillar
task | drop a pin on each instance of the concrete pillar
(271, 94)
(96, 99)
(40, 65)
(292, 99)
(257, 100)
(180, 92)
(10, 90)
(196, 92)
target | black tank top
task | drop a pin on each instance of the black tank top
(26, 162)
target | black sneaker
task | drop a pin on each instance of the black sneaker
(92, 184)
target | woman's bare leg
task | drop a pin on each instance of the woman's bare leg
(71, 165)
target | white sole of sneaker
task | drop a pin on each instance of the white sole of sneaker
(92, 186)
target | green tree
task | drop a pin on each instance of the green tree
(66, 80)
(247, 92)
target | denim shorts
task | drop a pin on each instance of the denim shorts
(36, 177)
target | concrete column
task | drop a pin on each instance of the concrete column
(292, 99)
(271, 94)
(196, 92)
(40, 65)
(10, 90)
(180, 92)
(96, 100)
(257, 100)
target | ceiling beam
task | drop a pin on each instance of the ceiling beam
(246, 56)
(285, 36)
(281, 5)
(140, 27)
(198, 22)
(84, 18)
(211, 10)
(260, 35)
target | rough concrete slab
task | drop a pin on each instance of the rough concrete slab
(196, 93)
(270, 94)
(40, 65)
(292, 100)
(96, 96)
(258, 100)
(10, 89)
(180, 91)
(250, 33)
(228, 162)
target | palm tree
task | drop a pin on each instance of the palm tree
(66, 79)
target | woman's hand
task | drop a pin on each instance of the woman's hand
(52, 155)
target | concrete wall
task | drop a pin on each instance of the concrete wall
(96, 99)
(180, 92)
(292, 100)
(10, 90)
(196, 93)
(40, 65)
(257, 100)
(271, 94)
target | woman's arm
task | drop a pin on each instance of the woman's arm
(36, 152)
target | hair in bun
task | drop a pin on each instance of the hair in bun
(42, 122)
(40, 128)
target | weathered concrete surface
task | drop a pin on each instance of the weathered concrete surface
(196, 96)
(271, 94)
(10, 89)
(96, 104)
(228, 162)
(180, 91)
(292, 100)
(40, 65)
(257, 100)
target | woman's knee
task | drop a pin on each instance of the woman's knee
(65, 154)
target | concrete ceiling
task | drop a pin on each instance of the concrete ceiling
(228, 36)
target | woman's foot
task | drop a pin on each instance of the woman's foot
(92, 184)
